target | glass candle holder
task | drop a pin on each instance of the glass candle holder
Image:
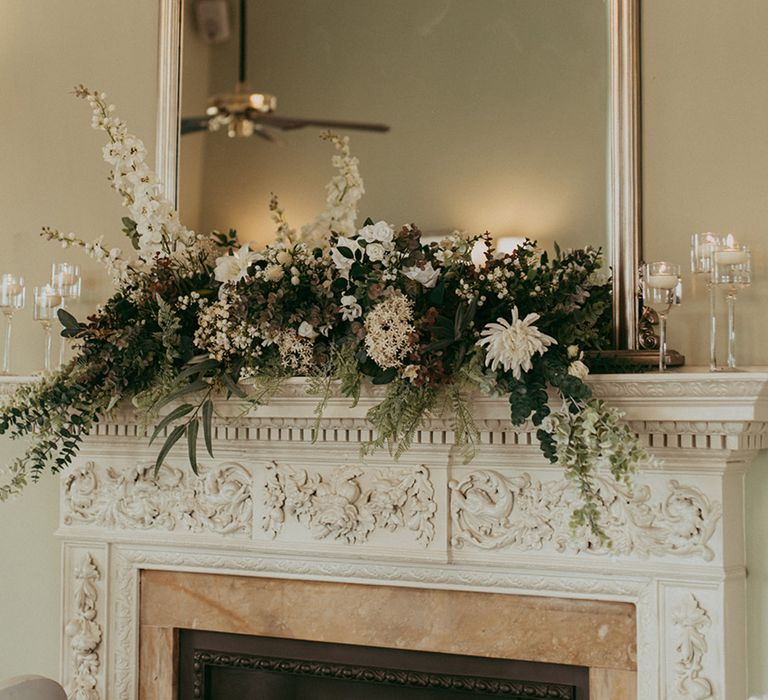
(12, 297)
(661, 291)
(731, 270)
(48, 301)
(65, 277)
(703, 246)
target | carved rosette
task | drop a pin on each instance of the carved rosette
(349, 503)
(84, 633)
(690, 620)
(217, 501)
(492, 511)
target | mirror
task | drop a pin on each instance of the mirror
(512, 116)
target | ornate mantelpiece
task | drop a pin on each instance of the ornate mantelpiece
(273, 504)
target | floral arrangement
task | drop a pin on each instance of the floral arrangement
(199, 315)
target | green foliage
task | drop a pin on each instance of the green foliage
(398, 417)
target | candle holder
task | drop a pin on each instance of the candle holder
(661, 291)
(731, 270)
(66, 279)
(12, 297)
(47, 304)
(703, 245)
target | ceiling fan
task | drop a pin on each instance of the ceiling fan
(245, 113)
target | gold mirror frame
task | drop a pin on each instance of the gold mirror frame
(624, 214)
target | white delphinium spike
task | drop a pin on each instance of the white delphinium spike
(512, 345)
(344, 192)
(157, 222)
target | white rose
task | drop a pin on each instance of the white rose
(427, 275)
(307, 330)
(375, 251)
(284, 257)
(380, 232)
(578, 369)
(573, 352)
(233, 268)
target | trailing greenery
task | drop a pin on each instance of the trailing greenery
(196, 317)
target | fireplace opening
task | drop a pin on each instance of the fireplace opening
(224, 666)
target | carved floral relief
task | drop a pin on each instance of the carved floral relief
(349, 503)
(217, 501)
(84, 633)
(493, 511)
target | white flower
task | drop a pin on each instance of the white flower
(410, 372)
(389, 331)
(578, 369)
(233, 268)
(375, 251)
(512, 345)
(573, 352)
(380, 232)
(274, 273)
(427, 275)
(350, 309)
(284, 257)
(341, 261)
(307, 330)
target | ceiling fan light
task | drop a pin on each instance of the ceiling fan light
(262, 102)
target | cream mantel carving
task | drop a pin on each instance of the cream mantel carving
(491, 511)
(84, 633)
(219, 500)
(273, 503)
(345, 506)
(691, 621)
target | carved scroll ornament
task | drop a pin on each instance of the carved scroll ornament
(349, 504)
(492, 511)
(218, 501)
(84, 633)
(691, 619)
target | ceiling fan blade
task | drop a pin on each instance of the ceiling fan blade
(189, 125)
(289, 123)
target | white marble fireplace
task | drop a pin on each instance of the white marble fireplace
(273, 505)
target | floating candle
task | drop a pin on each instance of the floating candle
(730, 256)
(662, 281)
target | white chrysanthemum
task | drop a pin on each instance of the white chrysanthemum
(512, 345)
(388, 331)
(233, 268)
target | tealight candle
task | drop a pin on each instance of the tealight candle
(730, 256)
(662, 280)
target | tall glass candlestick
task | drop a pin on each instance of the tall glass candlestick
(661, 291)
(703, 245)
(47, 303)
(732, 270)
(12, 296)
(65, 278)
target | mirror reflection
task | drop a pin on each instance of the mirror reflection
(497, 113)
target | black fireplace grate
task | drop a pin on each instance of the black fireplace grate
(219, 666)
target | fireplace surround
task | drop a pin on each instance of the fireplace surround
(273, 507)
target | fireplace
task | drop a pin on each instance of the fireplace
(217, 666)
(236, 631)
(278, 520)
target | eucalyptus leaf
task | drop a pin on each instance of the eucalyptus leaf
(208, 425)
(172, 439)
(192, 428)
(178, 412)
